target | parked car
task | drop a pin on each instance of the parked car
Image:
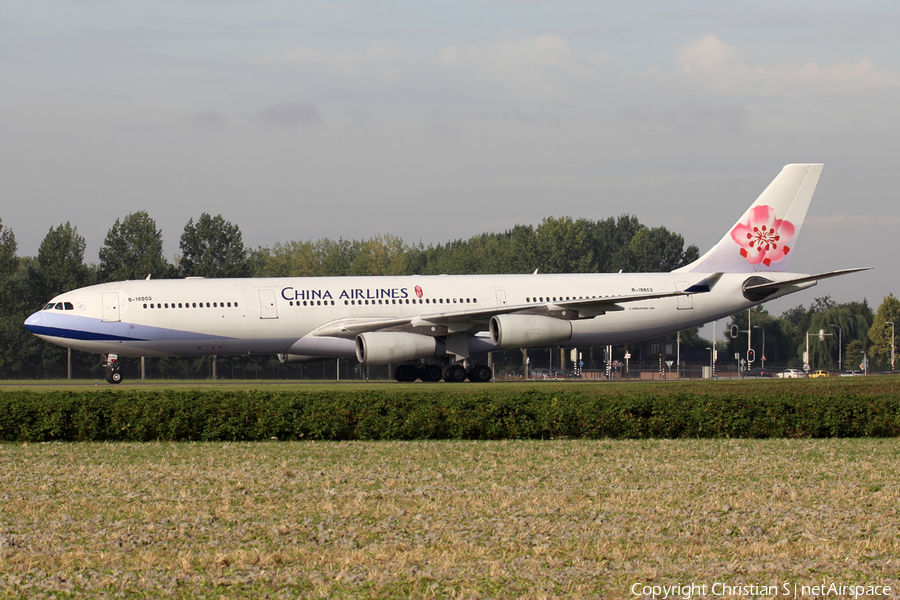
(541, 374)
(757, 373)
(791, 374)
(820, 373)
(852, 374)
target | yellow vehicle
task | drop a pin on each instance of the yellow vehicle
(819, 373)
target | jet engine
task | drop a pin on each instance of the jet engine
(526, 331)
(392, 347)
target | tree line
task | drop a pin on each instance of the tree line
(213, 247)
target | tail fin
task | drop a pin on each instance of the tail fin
(764, 237)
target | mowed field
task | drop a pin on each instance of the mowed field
(507, 519)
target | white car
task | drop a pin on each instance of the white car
(791, 374)
(852, 374)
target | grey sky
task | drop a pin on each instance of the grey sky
(436, 121)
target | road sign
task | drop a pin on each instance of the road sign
(627, 355)
(669, 363)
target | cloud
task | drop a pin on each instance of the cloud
(538, 69)
(714, 63)
(290, 114)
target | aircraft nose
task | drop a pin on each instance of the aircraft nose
(34, 322)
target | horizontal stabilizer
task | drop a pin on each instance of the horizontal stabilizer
(779, 285)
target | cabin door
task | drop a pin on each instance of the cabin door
(111, 306)
(267, 307)
(685, 302)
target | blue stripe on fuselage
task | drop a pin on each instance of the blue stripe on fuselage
(74, 327)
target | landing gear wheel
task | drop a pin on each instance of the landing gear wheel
(114, 376)
(454, 373)
(480, 374)
(430, 373)
(406, 373)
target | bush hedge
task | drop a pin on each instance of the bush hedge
(489, 414)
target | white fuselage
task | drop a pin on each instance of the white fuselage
(289, 315)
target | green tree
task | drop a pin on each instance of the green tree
(8, 266)
(853, 357)
(882, 333)
(381, 255)
(60, 262)
(10, 306)
(828, 325)
(564, 246)
(659, 250)
(768, 335)
(133, 249)
(290, 259)
(213, 247)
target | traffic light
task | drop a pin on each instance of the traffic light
(751, 355)
(734, 331)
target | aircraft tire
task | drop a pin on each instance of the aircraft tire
(430, 373)
(454, 373)
(406, 373)
(114, 376)
(480, 374)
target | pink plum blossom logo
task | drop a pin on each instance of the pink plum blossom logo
(763, 238)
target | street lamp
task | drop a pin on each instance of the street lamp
(891, 323)
(840, 344)
(763, 361)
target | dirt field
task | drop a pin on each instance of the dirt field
(564, 518)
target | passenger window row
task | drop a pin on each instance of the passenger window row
(192, 305)
(558, 298)
(384, 301)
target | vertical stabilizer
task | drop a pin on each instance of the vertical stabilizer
(763, 239)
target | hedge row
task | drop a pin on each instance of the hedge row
(405, 415)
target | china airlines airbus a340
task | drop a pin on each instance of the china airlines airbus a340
(447, 319)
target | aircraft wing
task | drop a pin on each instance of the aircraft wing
(440, 323)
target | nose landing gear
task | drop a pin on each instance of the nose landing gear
(113, 375)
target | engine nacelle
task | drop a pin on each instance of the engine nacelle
(392, 347)
(526, 331)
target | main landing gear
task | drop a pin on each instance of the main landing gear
(113, 375)
(451, 373)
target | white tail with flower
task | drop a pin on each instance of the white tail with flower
(763, 239)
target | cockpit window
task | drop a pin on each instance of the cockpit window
(68, 306)
(49, 306)
(59, 306)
